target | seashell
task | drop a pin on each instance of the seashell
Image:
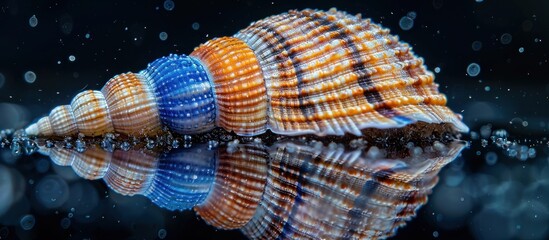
(300, 72)
(290, 190)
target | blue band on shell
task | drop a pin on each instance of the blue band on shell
(183, 179)
(184, 93)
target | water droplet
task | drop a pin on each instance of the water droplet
(531, 152)
(484, 142)
(521, 50)
(30, 76)
(473, 69)
(72, 58)
(80, 145)
(196, 26)
(33, 21)
(169, 5)
(476, 45)
(406, 23)
(150, 143)
(212, 144)
(27, 222)
(163, 36)
(175, 143)
(125, 146)
(162, 233)
(437, 70)
(506, 38)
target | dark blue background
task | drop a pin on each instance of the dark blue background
(124, 36)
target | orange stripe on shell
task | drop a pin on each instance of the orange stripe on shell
(239, 86)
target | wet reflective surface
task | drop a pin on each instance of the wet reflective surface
(287, 188)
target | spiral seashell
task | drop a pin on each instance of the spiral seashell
(290, 190)
(301, 72)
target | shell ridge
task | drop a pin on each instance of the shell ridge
(299, 72)
(184, 95)
(240, 87)
(211, 82)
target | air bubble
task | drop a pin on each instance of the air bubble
(491, 158)
(30, 76)
(52, 191)
(487, 88)
(169, 5)
(196, 26)
(162, 233)
(87, 36)
(506, 38)
(163, 36)
(65, 223)
(476, 45)
(72, 58)
(473, 69)
(437, 70)
(412, 15)
(521, 50)
(406, 23)
(27, 222)
(33, 21)
(66, 24)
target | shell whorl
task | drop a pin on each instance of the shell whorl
(239, 86)
(301, 72)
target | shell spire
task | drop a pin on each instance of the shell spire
(300, 72)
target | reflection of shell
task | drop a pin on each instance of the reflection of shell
(291, 190)
(301, 72)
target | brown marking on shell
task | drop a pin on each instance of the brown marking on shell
(331, 73)
(131, 172)
(131, 105)
(61, 156)
(62, 121)
(92, 164)
(45, 126)
(239, 184)
(91, 113)
(332, 193)
(239, 86)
